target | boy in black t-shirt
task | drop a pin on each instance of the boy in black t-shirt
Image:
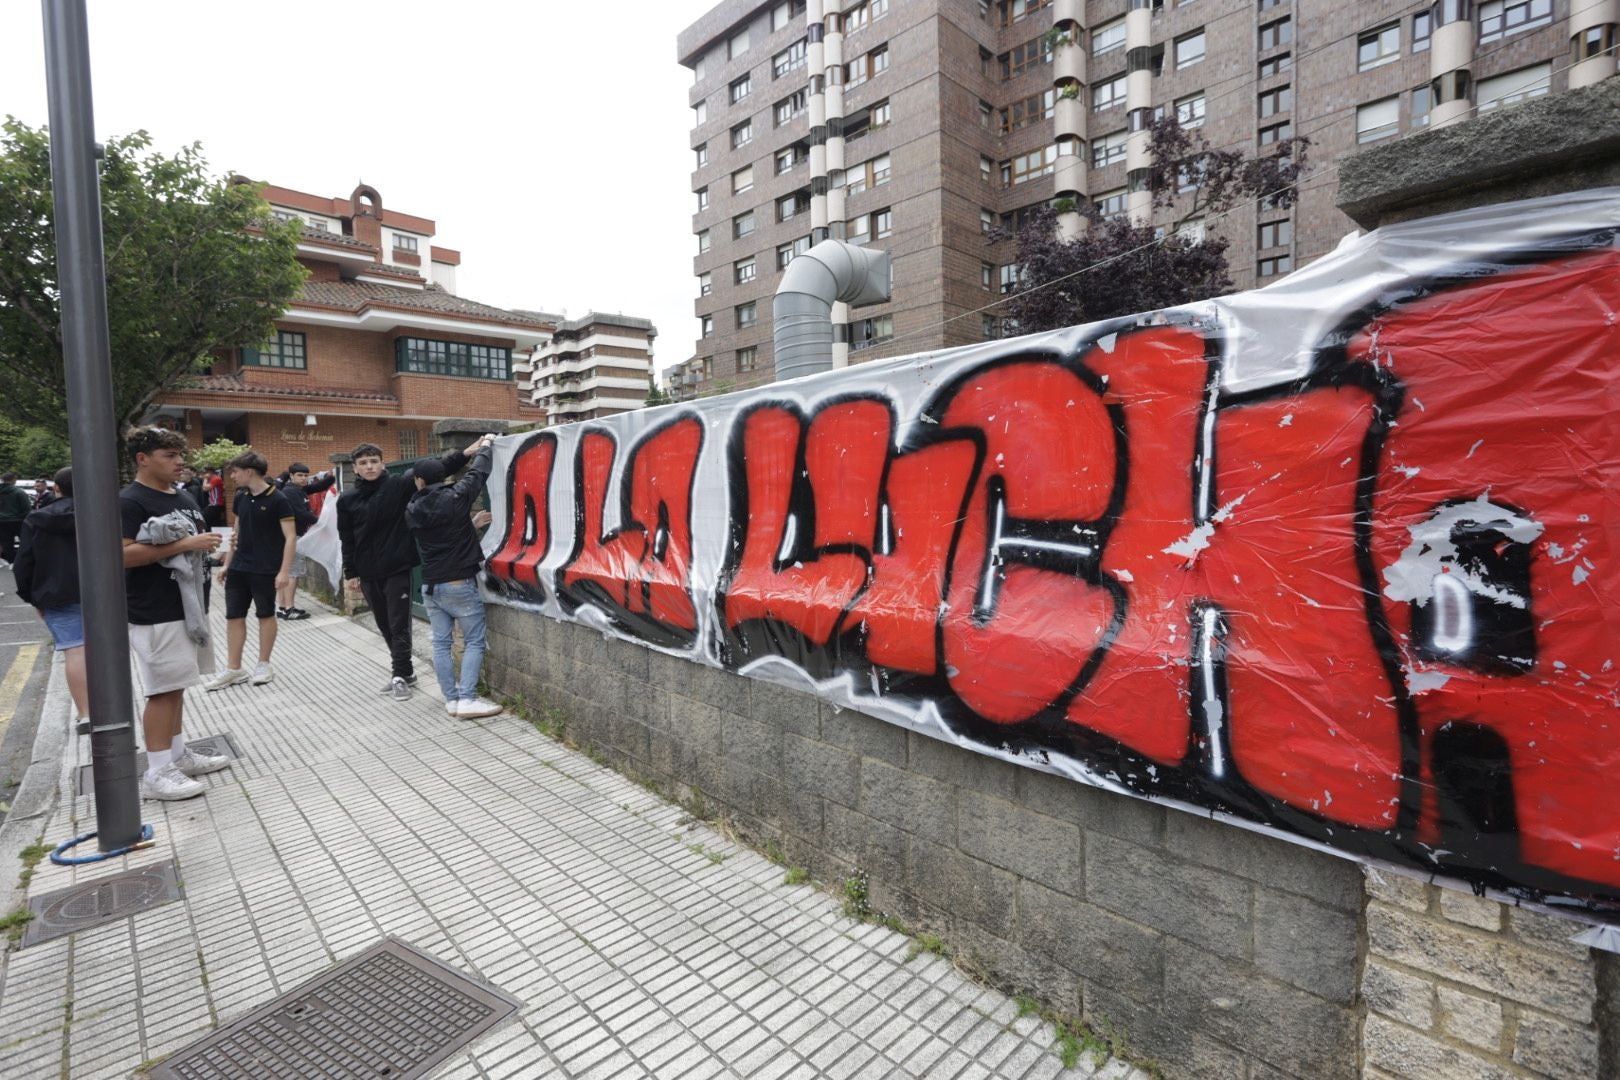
(258, 564)
(169, 654)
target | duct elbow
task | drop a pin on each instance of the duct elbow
(831, 272)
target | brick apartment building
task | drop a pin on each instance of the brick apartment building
(377, 347)
(595, 366)
(921, 124)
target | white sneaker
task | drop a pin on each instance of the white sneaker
(474, 708)
(169, 784)
(226, 678)
(450, 708)
(262, 673)
(194, 764)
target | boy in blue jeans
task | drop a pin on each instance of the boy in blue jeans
(441, 523)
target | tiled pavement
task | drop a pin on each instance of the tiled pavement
(593, 901)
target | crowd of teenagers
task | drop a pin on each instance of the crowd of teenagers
(388, 525)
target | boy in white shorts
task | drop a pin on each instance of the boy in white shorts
(167, 655)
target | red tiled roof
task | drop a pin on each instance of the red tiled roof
(335, 239)
(355, 296)
(235, 384)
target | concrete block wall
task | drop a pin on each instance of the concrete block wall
(1216, 952)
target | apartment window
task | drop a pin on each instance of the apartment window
(882, 113)
(1421, 104)
(747, 357)
(1377, 47)
(786, 253)
(1189, 49)
(792, 205)
(703, 241)
(285, 349)
(1514, 87)
(1277, 264)
(746, 314)
(987, 275)
(870, 66)
(874, 173)
(987, 168)
(702, 153)
(870, 332)
(1108, 37)
(285, 216)
(1275, 101)
(988, 327)
(858, 230)
(1378, 120)
(786, 159)
(743, 270)
(706, 326)
(782, 14)
(700, 69)
(1422, 30)
(1016, 221)
(789, 107)
(404, 243)
(1105, 95)
(1111, 203)
(742, 225)
(1275, 133)
(705, 283)
(1274, 234)
(882, 223)
(1267, 5)
(427, 356)
(1028, 166)
(700, 113)
(1276, 65)
(703, 199)
(986, 113)
(738, 44)
(1190, 110)
(987, 221)
(1499, 19)
(1017, 10)
(1008, 278)
(1192, 232)
(408, 447)
(1108, 149)
(742, 134)
(1032, 109)
(742, 180)
(740, 88)
(1021, 58)
(1273, 34)
(1592, 42)
(794, 56)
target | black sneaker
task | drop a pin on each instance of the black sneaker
(296, 613)
(400, 689)
(283, 613)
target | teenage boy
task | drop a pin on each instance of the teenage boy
(258, 564)
(168, 656)
(297, 485)
(441, 523)
(47, 572)
(15, 504)
(214, 492)
(378, 553)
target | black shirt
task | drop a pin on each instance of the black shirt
(151, 590)
(259, 541)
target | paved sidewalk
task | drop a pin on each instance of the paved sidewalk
(594, 902)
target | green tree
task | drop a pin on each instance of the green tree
(216, 454)
(194, 263)
(656, 396)
(31, 451)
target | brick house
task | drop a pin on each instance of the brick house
(377, 347)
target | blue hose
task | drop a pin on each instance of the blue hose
(62, 860)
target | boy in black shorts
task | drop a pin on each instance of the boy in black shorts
(258, 564)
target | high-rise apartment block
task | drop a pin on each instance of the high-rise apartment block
(922, 125)
(595, 366)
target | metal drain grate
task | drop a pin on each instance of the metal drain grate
(98, 902)
(209, 744)
(391, 1012)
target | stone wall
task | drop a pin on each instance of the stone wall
(1212, 950)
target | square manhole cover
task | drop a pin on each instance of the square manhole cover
(390, 1012)
(209, 744)
(104, 900)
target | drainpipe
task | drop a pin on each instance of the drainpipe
(830, 272)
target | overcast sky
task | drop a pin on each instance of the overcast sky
(548, 140)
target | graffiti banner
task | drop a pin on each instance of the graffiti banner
(1332, 558)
